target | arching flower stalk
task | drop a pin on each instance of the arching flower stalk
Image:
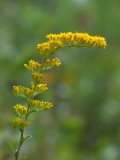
(47, 49)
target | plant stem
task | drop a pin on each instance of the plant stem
(22, 131)
(20, 144)
(27, 111)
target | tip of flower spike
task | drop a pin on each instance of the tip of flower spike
(82, 39)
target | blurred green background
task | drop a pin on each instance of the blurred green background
(84, 123)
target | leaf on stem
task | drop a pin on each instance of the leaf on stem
(11, 146)
(28, 137)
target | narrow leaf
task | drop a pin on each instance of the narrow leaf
(11, 146)
(28, 137)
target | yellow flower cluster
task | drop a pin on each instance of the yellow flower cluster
(55, 63)
(20, 109)
(19, 123)
(40, 104)
(41, 88)
(32, 65)
(82, 39)
(52, 63)
(37, 76)
(18, 90)
(48, 47)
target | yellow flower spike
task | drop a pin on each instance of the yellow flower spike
(37, 76)
(46, 49)
(41, 88)
(41, 105)
(55, 63)
(20, 109)
(18, 123)
(82, 39)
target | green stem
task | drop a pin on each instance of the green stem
(28, 109)
(20, 144)
(76, 46)
(22, 131)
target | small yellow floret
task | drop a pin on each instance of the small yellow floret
(19, 123)
(40, 104)
(20, 109)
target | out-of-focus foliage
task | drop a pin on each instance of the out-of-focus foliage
(84, 123)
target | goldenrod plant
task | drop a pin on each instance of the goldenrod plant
(46, 50)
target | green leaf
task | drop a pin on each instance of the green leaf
(24, 158)
(11, 146)
(28, 137)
